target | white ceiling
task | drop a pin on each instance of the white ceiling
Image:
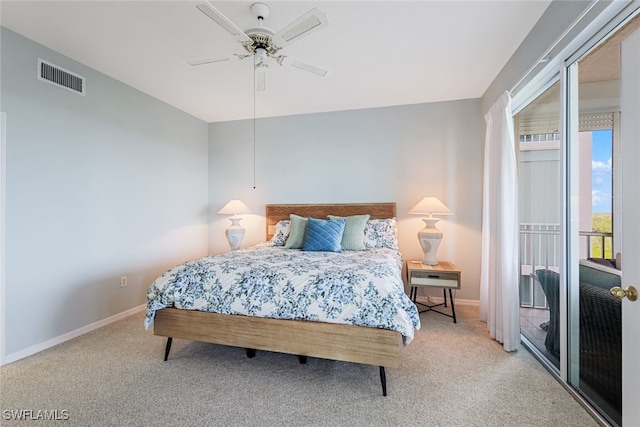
(380, 53)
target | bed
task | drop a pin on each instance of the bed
(297, 317)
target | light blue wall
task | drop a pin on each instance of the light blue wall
(100, 186)
(393, 154)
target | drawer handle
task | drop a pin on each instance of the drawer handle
(433, 276)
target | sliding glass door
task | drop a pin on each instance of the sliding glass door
(572, 143)
(595, 254)
(540, 184)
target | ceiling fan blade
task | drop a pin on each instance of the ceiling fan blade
(308, 23)
(260, 81)
(217, 16)
(313, 69)
(203, 61)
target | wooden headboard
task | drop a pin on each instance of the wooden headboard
(276, 213)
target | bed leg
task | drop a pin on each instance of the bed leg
(302, 359)
(167, 348)
(383, 380)
(251, 352)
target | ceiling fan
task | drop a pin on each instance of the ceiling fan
(264, 44)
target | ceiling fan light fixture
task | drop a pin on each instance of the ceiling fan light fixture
(261, 58)
(262, 47)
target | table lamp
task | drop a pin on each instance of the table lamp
(430, 236)
(235, 232)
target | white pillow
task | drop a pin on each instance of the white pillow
(381, 233)
(282, 233)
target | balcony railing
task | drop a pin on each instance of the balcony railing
(539, 248)
(597, 244)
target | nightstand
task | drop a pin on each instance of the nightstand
(444, 275)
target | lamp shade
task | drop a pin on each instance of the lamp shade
(429, 206)
(234, 207)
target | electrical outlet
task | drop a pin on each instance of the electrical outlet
(123, 281)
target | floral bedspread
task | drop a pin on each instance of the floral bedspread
(361, 288)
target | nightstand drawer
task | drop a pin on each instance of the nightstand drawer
(434, 278)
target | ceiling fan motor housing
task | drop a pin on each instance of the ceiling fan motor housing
(262, 43)
(262, 38)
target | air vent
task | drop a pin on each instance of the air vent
(50, 73)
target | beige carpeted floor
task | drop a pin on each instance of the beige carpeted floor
(451, 375)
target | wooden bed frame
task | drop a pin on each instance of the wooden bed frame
(372, 346)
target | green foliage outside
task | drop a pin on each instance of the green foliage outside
(601, 222)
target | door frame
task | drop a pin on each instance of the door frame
(3, 144)
(630, 102)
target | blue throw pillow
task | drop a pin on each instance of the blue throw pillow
(323, 235)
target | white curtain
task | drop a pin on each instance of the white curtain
(499, 303)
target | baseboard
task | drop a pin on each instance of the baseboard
(473, 302)
(13, 357)
(457, 301)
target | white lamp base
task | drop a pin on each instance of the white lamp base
(235, 233)
(429, 238)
